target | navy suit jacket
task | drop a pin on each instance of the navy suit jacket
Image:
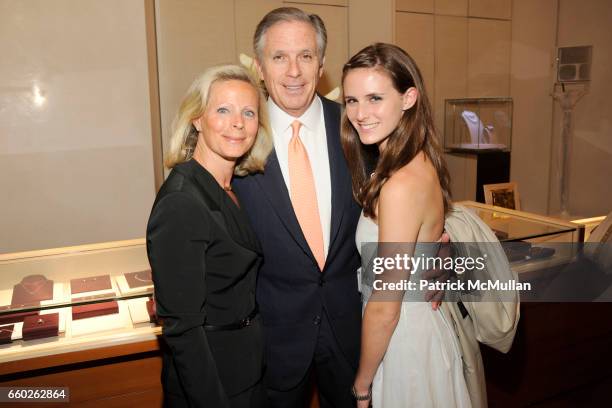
(292, 293)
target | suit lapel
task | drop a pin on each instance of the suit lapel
(273, 185)
(224, 212)
(340, 178)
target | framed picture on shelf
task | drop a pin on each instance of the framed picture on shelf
(502, 195)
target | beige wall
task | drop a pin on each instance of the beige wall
(533, 72)
(200, 34)
(538, 28)
(588, 23)
(507, 48)
(463, 50)
(191, 36)
(78, 168)
(369, 24)
(75, 138)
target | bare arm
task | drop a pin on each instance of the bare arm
(401, 210)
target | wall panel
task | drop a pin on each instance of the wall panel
(336, 22)
(299, 4)
(501, 9)
(415, 6)
(248, 13)
(488, 57)
(192, 35)
(415, 34)
(451, 7)
(451, 49)
(369, 24)
(533, 38)
(76, 163)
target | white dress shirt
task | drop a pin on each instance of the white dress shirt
(314, 139)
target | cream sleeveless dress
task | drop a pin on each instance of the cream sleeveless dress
(422, 366)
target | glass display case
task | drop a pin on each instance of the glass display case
(75, 298)
(478, 124)
(531, 242)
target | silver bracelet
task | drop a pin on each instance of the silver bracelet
(363, 397)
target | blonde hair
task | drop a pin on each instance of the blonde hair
(185, 135)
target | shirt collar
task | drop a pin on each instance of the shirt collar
(281, 120)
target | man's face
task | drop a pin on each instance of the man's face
(290, 65)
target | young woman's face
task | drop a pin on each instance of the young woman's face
(230, 122)
(373, 106)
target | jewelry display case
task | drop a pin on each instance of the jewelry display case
(532, 242)
(75, 298)
(478, 124)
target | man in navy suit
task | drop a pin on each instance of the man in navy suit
(308, 298)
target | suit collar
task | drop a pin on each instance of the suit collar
(223, 210)
(275, 189)
(281, 120)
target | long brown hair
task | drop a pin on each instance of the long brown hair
(414, 133)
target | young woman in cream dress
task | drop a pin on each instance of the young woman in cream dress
(409, 354)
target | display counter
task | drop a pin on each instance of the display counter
(531, 241)
(70, 315)
(102, 342)
(560, 347)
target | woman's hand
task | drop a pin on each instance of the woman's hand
(360, 389)
(364, 404)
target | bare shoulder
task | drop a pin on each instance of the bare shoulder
(416, 183)
(412, 195)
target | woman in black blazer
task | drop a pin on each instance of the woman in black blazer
(202, 250)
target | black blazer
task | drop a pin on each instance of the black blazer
(204, 257)
(292, 292)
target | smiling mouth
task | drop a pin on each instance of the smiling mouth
(293, 88)
(368, 126)
(234, 139)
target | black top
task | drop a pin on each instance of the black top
(204, 257)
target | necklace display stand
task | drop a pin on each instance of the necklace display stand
(31, 290)
(478, 139)
(481, 136)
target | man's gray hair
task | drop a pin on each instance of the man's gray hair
(289, 14)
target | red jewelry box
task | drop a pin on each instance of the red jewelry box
(17, 316)
(6, 332)
(94, 310)
(41, 326)
(90, 284)
(151, 311)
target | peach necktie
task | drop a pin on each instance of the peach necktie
(304, 195)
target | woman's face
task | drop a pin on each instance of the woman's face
(373, 106)
(228, 127)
